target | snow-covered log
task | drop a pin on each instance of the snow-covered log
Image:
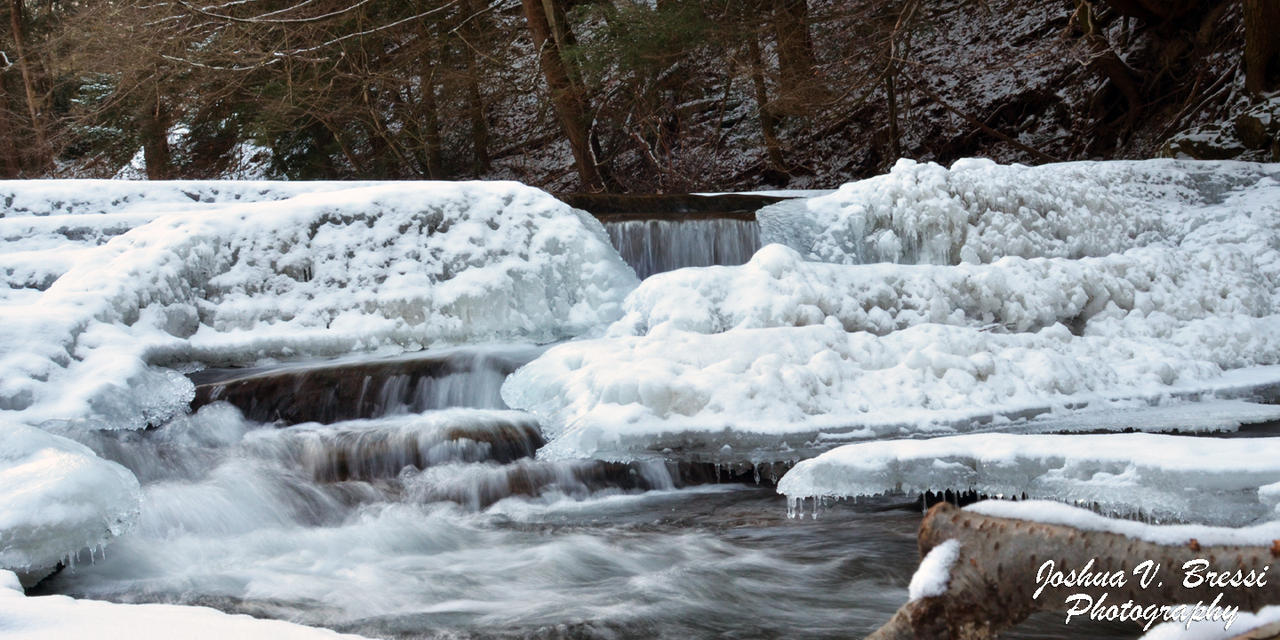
(1001, 572)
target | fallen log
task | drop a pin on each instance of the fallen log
(1006, 569)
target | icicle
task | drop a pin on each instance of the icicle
(756, 467)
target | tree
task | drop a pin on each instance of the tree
(549, 29)
(25, 65)
(1261, 45)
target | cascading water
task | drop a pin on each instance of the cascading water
(656, 245)
(398, 497)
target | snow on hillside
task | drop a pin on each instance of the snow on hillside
(1047, 288)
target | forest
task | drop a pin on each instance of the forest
(625, 96)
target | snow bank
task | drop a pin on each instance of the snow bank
(979, 211)
(777, 288)
(1122, 281)
(59, 617)
(389, 267)
(1161, 476)
(56, 498)
(1167, 534)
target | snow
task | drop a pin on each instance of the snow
(56, 498)
(59, 617)
(389, 267)
(1213, 629)
(1161, 476)
(1048, 512)
(978, 211)
(934, 573)
(1040, 289)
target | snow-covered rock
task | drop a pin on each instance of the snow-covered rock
(979, 211)
(59, 617)
(57, 498)
(1089, 283)
(1213, 480)
(389, 267)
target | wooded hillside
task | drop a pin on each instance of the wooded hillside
(625, 96)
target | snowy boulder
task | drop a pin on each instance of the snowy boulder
(785, 393)
(57, 498)
(391, 267)
(1047, 288)
(980, 211)
(778, 288)
(1212, 480)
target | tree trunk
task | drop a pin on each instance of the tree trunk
(1104, 61)
(431, 124)
(1261, 45)
(768, 121)
(9, 150)
(28, 84)
(993, 582)
(154, 129)
(566, 98)
(475, 98)
(796, 62)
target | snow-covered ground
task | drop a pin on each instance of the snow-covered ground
(60, 617)
(1021, 290)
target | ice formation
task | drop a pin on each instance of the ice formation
(979, 211)
(60, 617)
(56, 498)
(1041, 289)
(391, 266)
(1213, 480)
(114, 286)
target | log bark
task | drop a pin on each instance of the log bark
(993, 581)
(566, 95)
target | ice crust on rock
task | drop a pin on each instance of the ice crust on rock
(56, 498)
(1121, 281)
(1165, 477)
(59, 617)
(383, 267)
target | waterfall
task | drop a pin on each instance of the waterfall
(332, 391)
(657, 245)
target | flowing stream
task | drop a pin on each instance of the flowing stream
(399, 498)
